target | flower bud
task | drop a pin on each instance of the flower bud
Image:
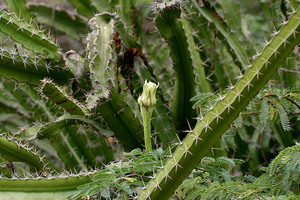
(147, 99)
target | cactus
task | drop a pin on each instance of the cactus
(25, 68)
(67, 22)
(72, 105)
(171, 28)
(27, 35)
(99, 48)
(56, 94)
(13, 151)
(58, 187)
(209, 130)
(199, 70)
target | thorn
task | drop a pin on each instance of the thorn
(257, 73)
(266, 41)
(176, 164)
(248, 83)
(228, 105)
(295, 32)
(157, 185)
(196, 136)
(238, 94)
(186, 151)
(167, 175)
(217, 115)
(266, 62)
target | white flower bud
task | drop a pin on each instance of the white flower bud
(148, 99)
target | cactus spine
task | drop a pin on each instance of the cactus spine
(209, 130)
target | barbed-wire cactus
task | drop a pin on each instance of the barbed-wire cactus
(69, 99)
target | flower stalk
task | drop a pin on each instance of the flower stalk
(147, 101)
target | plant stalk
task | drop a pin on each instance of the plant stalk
(146, 115)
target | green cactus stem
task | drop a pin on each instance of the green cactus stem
(147, 101)
(199, 70)
(54, 93)
(209, 130)
(169, 23)
(11, 151)
(51, 187)
(24, 68)
(121, 120)
(99, 57)
(27, 35)
(65, 22)
(19, 7)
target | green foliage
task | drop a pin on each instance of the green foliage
(212, 178)
(124, 178)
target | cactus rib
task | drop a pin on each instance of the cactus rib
(12, 151)
(66, 22)
(99, 56)
(169, 23)
(24, 68)
(27, 35)
(208, 131)
(63, 100)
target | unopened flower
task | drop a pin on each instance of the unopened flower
(148, 99)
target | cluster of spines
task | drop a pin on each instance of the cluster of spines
(55, 94)
(24, 152)
(27, 34)
(210, 129)
(99, 56)
(24, 59)
(30, 68)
